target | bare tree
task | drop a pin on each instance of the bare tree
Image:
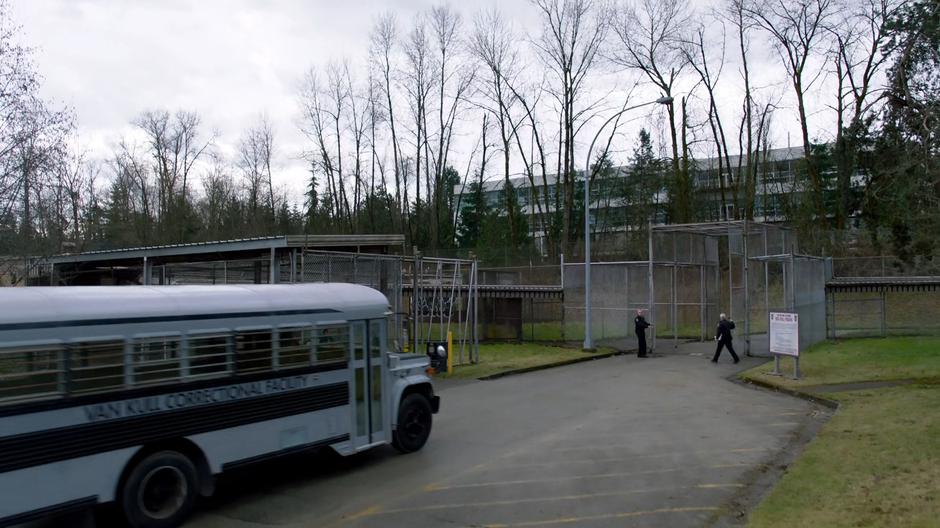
(219, 194)
(135, 188)
(455, 80)
(735, 11)
(572, 34)
(338, 93)
(649, 32)
(359, 127)
(175, 146)
(383, 39)
(491, 43)
(797, 27)
(858, 40)
(529, 98)
(698, 53)
(324, 105)
(419, 78)
(255, 155)
(315, 127)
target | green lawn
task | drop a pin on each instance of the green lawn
(877, 462)
(501, 357)
(874, 359)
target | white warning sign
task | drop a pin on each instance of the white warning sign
(785, 333)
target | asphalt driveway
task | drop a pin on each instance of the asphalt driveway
(666, 441)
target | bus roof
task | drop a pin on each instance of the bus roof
(71, 303)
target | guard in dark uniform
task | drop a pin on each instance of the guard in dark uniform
(639, 326)
(723, 336)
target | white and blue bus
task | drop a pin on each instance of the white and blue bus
(140, 395)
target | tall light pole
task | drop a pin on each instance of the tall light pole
(588, 341)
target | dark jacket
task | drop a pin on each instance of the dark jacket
(640, 324)
(723, 333)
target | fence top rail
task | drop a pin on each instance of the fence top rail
(379, 256)
(622, 262)
(786, 256)
(731, 227)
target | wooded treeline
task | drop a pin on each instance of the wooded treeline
(382, 136)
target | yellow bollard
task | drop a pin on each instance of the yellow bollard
(450, 355)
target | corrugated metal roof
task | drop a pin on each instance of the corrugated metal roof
(235, 245)
(850, 284)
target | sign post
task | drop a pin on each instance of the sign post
(785, 339)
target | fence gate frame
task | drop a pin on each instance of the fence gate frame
(747, 243)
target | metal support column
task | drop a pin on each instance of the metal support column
(747, 293)
(675, 302)
(146, 272)
(476, 312)
(675, 294)
(884, 316)
(730, 277)
(293, 266)
(272, 277)
(701, 296)
(652, 296)
(626, 281)
(415, 293)
(792, 286)
(835, 329)
(766, 280)
(564, 309)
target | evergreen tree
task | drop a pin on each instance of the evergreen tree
(903, 192)
(642, 186)
(473, 214)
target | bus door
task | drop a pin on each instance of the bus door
(370, 414)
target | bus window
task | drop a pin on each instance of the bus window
(332, 344)
(375, 338)
(29, 371)
(156, 359)
(253, 351)
(294, 346)
(97, 366)
(208, 355)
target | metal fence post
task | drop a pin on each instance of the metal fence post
(675, 291)
(884, 317)
(272, 278)
(747, 297)
(293, 266)
(702, 298)
(652, 295)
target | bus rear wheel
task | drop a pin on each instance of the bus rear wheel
(160, 492)
(414, 423)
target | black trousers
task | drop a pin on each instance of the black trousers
(730, 349)
(641, 343)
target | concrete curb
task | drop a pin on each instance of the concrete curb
(825, 402)
(556, 364)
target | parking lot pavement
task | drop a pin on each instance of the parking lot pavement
(622, 441)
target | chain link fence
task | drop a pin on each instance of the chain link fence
(891, 298)
(883, 313)
(429, 298)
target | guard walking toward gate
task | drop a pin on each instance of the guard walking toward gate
(639, 326)
(723, 336)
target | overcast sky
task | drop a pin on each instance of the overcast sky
(228, 60)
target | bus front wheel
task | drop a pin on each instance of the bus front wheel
(160, 492)
(414, 423)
